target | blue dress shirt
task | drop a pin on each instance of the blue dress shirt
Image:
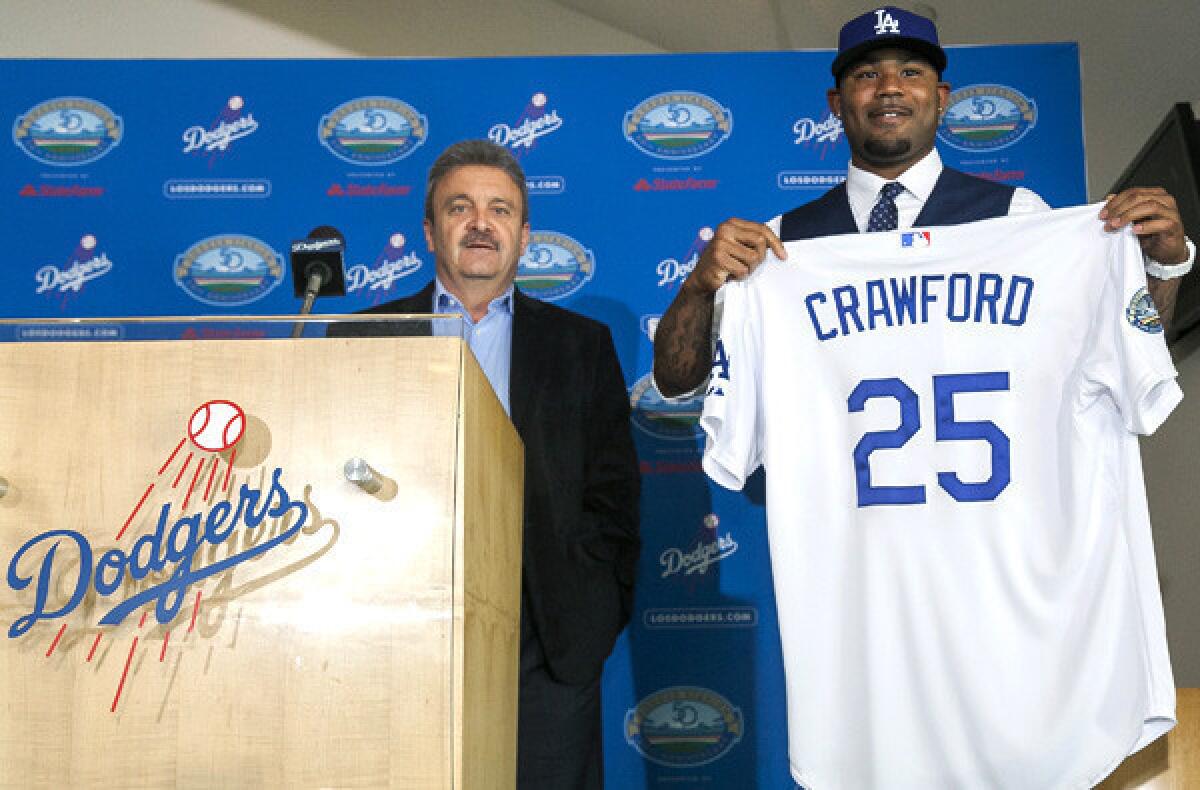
(490, 339)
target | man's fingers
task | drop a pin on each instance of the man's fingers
(1151, 227)
(775, 244)
(1135, 203)
(1142, 209)
(754, 235)
(735, 257)
(737, 248)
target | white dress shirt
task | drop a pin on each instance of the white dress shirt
(862, 190)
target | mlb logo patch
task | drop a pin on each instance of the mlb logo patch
(916, 238)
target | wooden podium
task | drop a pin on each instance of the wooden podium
(181, 613)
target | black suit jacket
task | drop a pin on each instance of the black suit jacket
(571, 409)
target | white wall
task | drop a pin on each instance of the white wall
(300, 29)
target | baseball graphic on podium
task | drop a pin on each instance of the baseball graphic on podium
(217, 425)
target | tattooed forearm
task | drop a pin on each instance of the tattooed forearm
(683, 343)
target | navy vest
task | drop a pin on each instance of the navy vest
(956, 198)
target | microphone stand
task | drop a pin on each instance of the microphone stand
(318, 274)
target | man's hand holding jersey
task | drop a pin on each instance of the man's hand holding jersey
(736, 249)
(682, 350)
(1156, 222)
(1155, 219)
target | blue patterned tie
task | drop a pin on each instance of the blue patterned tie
(884, 215)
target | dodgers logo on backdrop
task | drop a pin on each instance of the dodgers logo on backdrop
(372, 130)
(86, 264)
(672, 271)
(231, 124)
(678, 418)
(228, 270)
(391, 265)
(827, 130)
(535, 121)
(986, 117)
(67, 131)
(709, 548)
(683, 726)
(1143, 314)
(677, 125)
(554, 266)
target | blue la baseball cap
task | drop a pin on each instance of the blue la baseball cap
(888, 27)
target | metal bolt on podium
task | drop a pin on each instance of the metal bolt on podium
(360, 473)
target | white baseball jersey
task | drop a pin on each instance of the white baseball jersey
(963, 566)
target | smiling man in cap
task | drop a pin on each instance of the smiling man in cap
(889, 95)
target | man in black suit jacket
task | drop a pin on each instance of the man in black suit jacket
(566, 396)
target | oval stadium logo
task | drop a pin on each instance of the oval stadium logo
(1143, 314)
(986, 117)
(554, 266)
(229, 270)
(67, 131)
(683, 726)
(372, 130)
(678, 418)
(677, 125)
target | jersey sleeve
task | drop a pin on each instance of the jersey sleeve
(1128, 357)
(731, 417)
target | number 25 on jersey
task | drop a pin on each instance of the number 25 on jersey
(948, 429)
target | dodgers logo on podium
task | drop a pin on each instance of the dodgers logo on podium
(86, 589)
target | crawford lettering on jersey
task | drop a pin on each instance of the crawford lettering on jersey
(982, 298)
(530, 129)
(700, 559)
(219, 137)
(175, 544)
(52, 278)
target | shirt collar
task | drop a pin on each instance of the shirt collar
(446, 302)
(863, 186)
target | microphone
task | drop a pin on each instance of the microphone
(318, 268)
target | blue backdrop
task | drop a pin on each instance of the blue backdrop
(174, 188)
